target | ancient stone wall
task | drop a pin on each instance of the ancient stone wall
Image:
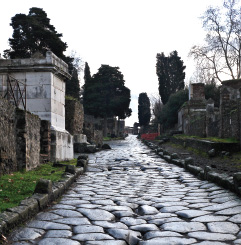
(19, 139)
(230, 110)
(8, 157)
(196, 124)
(74, 116)
(45, 141)
(93, 130)
(28, 140)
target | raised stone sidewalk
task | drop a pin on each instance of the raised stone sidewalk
(131, 196)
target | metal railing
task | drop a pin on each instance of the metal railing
(15, 92)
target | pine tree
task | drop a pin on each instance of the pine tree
(34, 33)
(144, 111)
(171, 75)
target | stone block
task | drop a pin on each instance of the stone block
(91, 148)
(70, 169)
(81, 163)
(237, 181)
(188, 161)
(83, 156)
(174, 156)
(167, 158)
(43, 200)
(206, 170)
(80, 138)
(43, 186)
(23, 212)
(80, 147)
(3, 227)
(58, 190)
(194, 169)
(106, 147)
(32, 204)
(10, 218)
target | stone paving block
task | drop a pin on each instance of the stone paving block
(132, 221)
(230, 211)
(106, 224)
(223, 227)
(92, 237)
(124, 234)
(26, 234)
(73, 221)
(210, 218)
(144, 227)
(107, 242)
(47, 225)
(97, 214)
(147, 210)
(47, 216)
(164, 220)
(57, 241)
(211, 236)
(67, 213)
(154, 234)
(168, 240)
(191, 213)
(58, 234)
(184, 227)
(81, 229)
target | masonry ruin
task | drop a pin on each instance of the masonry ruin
(199, 117)
(44, 78)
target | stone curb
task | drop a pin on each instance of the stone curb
(232, 183)
(30, 206)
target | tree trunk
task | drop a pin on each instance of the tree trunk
(105, 127)
(118, 127)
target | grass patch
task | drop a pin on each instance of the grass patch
(20, 185)
(213, 139)
(109, 138)
(197, 152)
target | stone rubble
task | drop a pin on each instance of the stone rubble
(129, 195)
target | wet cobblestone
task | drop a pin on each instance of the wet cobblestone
(131, 196)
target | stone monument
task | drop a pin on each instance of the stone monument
(44, 78)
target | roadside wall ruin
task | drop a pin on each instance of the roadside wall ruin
(93, 130)
(8, 156)
(20, 139)
(74, 116)
(200, 117)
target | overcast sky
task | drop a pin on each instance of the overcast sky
(123, 33)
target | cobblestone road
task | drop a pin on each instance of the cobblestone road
(130, 196)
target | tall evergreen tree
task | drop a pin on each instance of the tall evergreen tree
(144, 111)
(105, 94)
(34, 33)
(88, 90)
(72, 85)
(87, 74)
(171, 75)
